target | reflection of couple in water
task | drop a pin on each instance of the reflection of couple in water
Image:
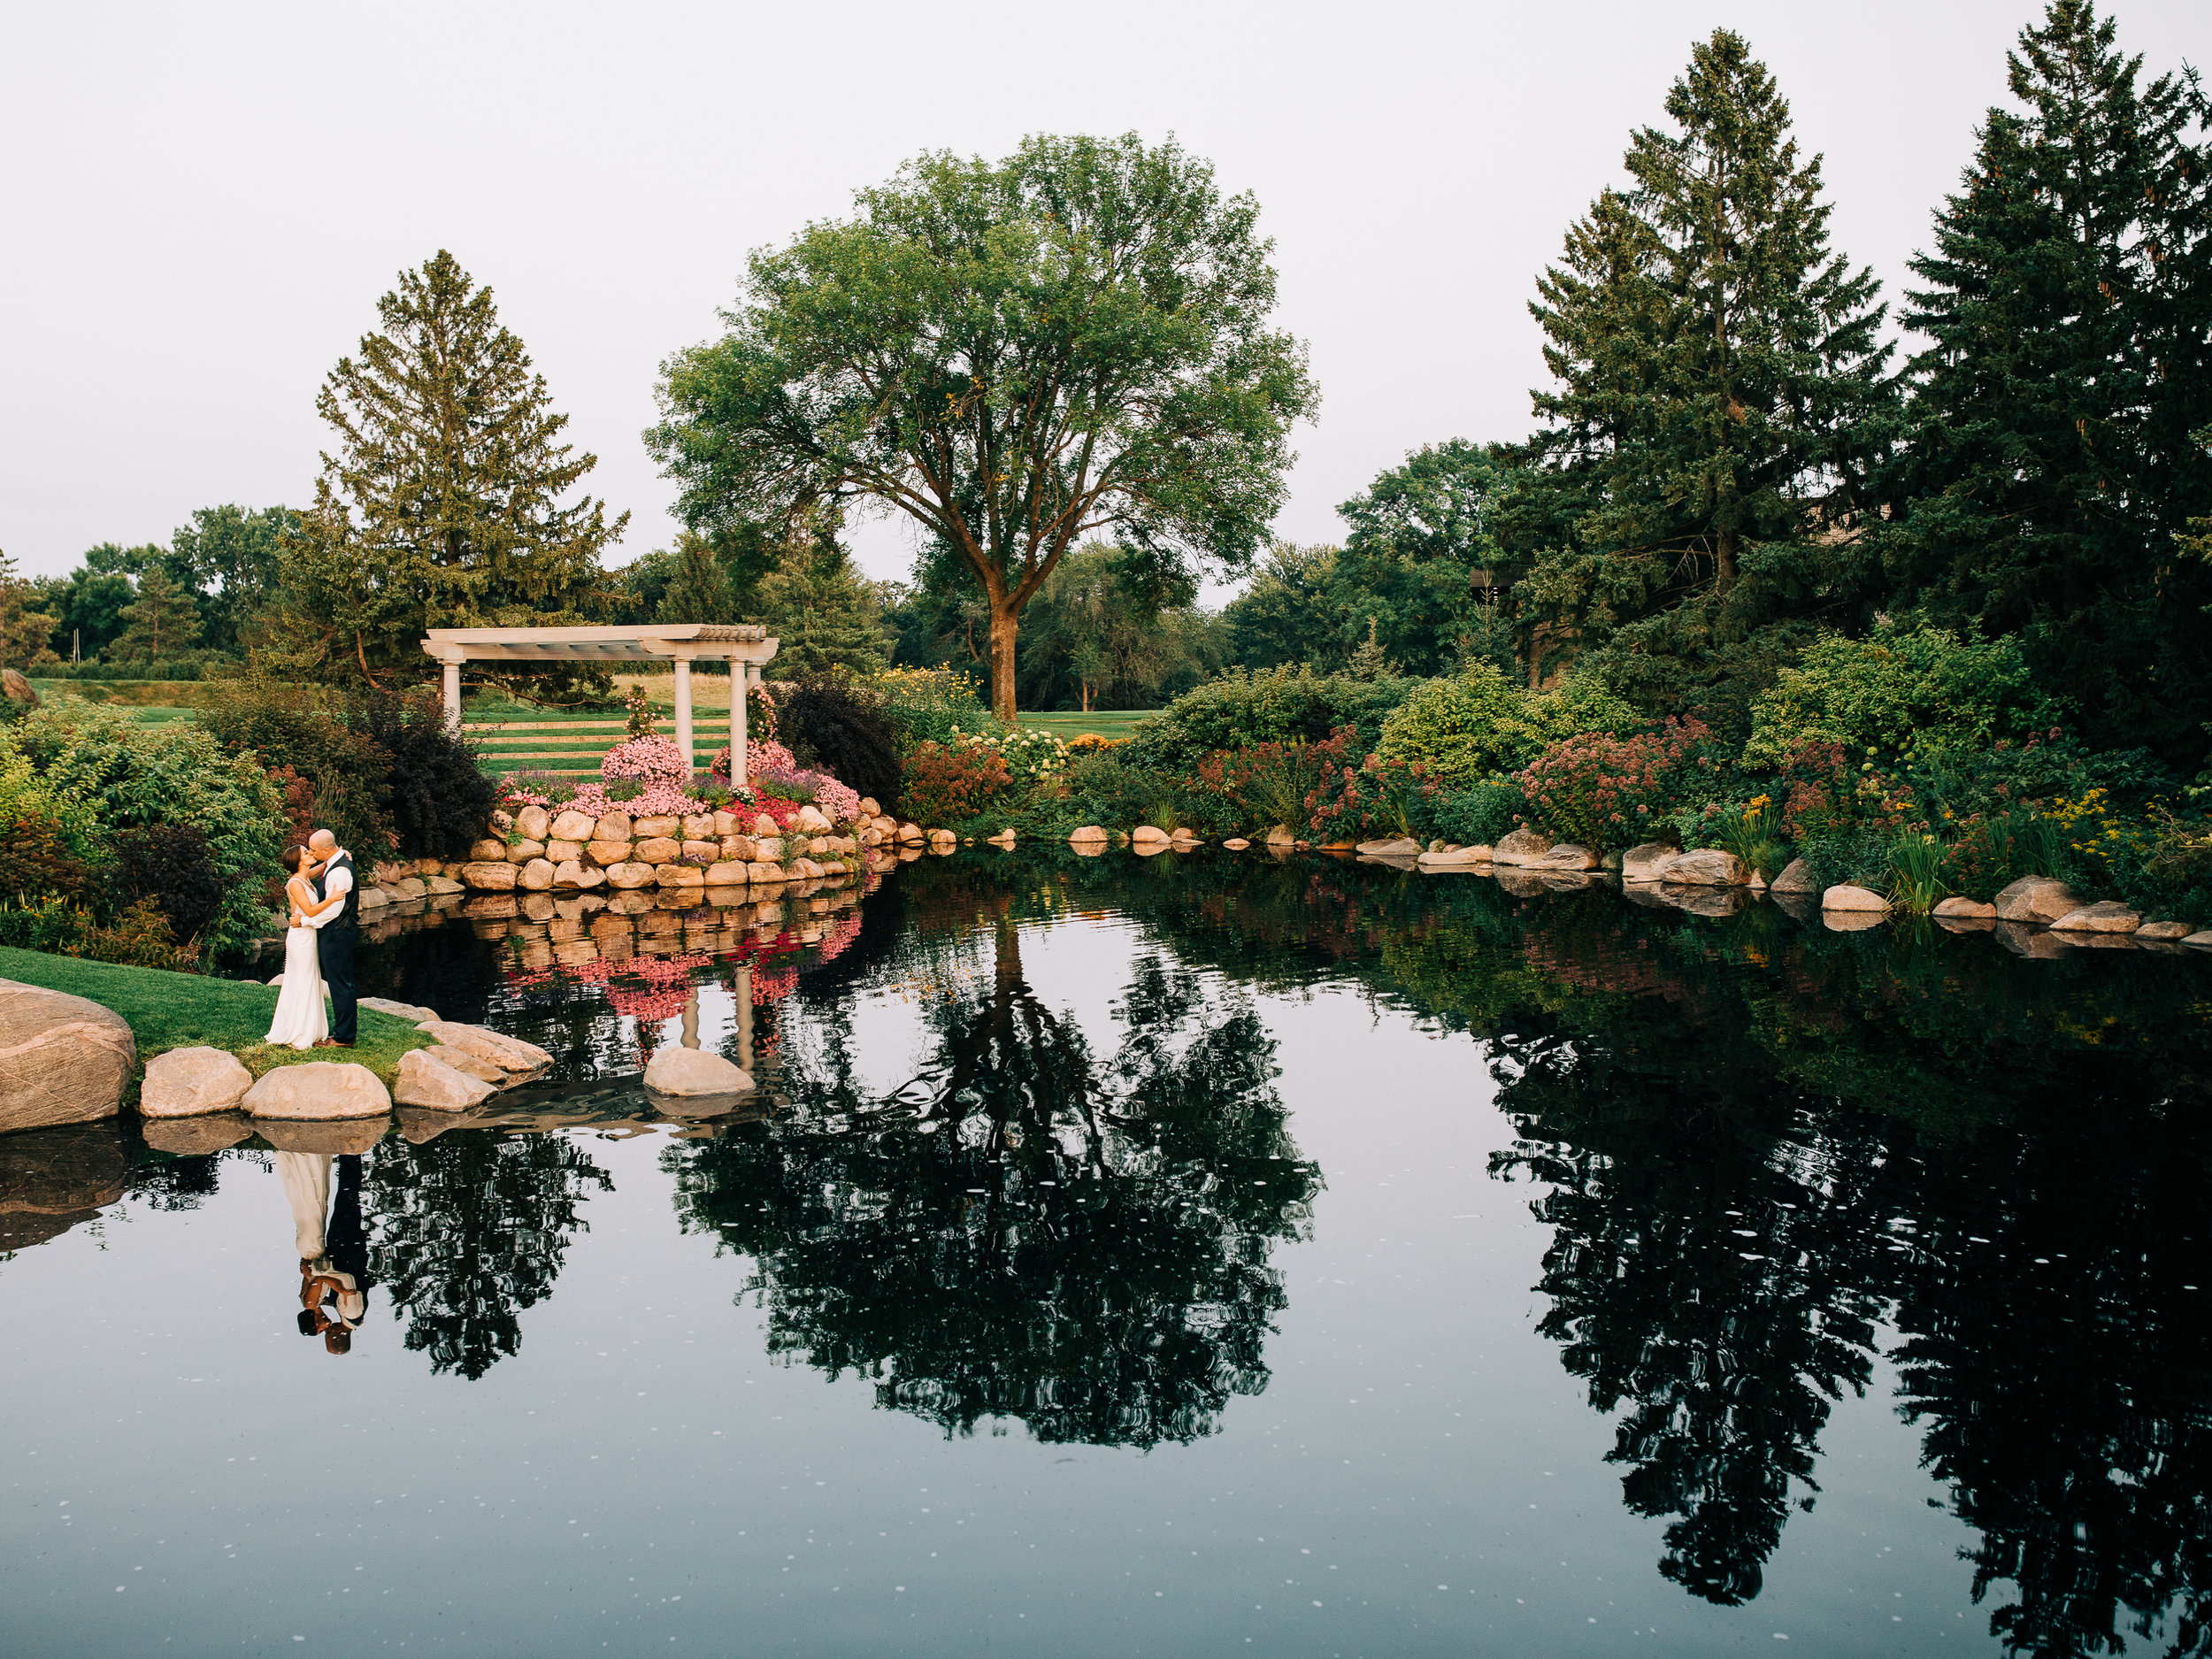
(333, 1259)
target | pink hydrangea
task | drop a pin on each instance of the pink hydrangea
(647, 757)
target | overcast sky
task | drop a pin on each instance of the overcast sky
(202, 202)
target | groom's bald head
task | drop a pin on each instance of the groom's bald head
(322, 843)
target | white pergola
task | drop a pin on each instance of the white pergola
(746, 646)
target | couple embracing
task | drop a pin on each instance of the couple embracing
(318, 946)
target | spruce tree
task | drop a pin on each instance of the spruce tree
(162, 622)
(1721, 386)
(2048, 467)
(822, 614)
(443, 505)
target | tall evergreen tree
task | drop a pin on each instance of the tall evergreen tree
(443, 506)
(822, 612)
(162, 622)
(2048, 465)
(1721, 386)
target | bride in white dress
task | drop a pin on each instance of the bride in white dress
(300, 1020)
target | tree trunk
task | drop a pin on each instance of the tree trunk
(1005, 622)
(1725, 557)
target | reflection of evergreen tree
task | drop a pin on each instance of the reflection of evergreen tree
(1080, 1246)
(469, 1229)
(2062, 1371)
(1713, 1269)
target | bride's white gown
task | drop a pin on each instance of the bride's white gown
(300, 1021)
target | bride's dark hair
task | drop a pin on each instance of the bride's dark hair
(294, 857)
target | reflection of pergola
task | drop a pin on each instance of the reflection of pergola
(745, 644)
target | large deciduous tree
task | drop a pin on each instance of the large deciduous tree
(1070, 344)
(228, 557)
(446, 503)
(1720, 388)
(1421, 568)
(2048, 465)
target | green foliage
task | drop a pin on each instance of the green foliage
(1264, 785)
(169, 866)
(301, 729)
(1473, 724)
(1104, 633)
(1916, 873)
(441, 797)
(1021, 356)
(129, 775)
(1293, 611)
(927, 705)
(1722, 388)
(139, 936)
(1480, 816)
(1275, 705)
(441, 505)
(1420, 561)
(823, 615)
(25, 629)
(228, 559)
(1891, 692)
(1754, 834)
(2049, 462)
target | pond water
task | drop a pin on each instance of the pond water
(1184, 1257)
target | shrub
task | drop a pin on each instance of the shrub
(37, 862)
(1374, 799)
(1106, 789)
(1916, 873)
(1479, 817)
(1902, 687)
(1469, 726)
(1277, 705)
(440, 795)
(926, 705)
(291, 729)
(169, 866)
(1090, 743)
(1754, 834)
(1608, 792)
(1261, 785)
(836, 724)
(944, 784)
(646, 759)
(127, 775)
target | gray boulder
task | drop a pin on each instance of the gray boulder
(1705, 867)
(407, 1012)
(2110, 917)
(62, 1059)
(1843, 899)
(1796, 877)
(1641, 862)
(1566, 855)
(189, 1082)
(510, 1054)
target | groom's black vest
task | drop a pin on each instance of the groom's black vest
(346, 916)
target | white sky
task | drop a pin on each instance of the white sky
(201, 203)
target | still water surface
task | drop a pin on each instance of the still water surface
(1174, 1258)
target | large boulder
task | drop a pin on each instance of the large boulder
(1641, 862)
(812, 819)
(487, 851)
(615, 826)
(62, 1059)
(487, 877)
(1796, 877)
(1522, 847)
(532, 823)
(691, 1073)
(15, 688)
(1088, 835)
(425, 1081)
(536, 876)
(1705, 867)
(607, 854)
(512, 1055)
(1567, 856)
(1957, 909)
(653, 827)
(1399, 847)
(629, 875)
(191, 1082)
(319, 1091)
(571, 827)
(659, 849)
(1455, 858)
(468, 1064)
(2036, 900)
(1843, 899)
(2107, 917)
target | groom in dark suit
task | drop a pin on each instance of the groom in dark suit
(333, 941)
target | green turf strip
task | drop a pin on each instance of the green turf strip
(185, 1010)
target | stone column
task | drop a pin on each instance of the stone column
(452, 666)
(683, 715)
(741, 678)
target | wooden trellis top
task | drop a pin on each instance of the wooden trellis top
(683, 642)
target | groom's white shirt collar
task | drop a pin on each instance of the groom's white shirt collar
(339, 880)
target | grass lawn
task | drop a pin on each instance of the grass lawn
(1115, 723)
(184, 1011)
(145, 695)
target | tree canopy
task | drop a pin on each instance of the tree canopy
(1069, 344)
(445, 505)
